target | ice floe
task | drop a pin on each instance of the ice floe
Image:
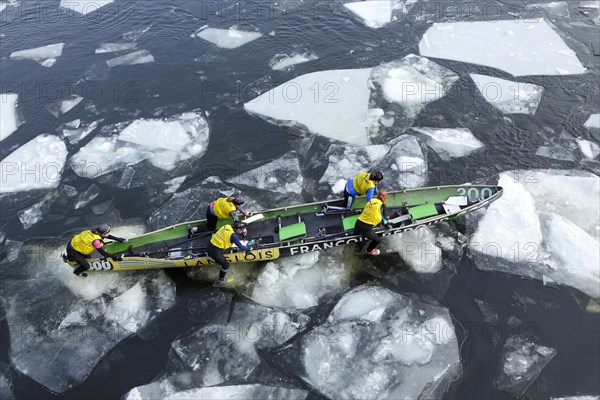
(336, 104)
(84, 7)
(522, 361)
(86, 197)
(45, 55)
(507, 96)
(9, 121)
(38, 164)
(593, 121)
(226, 38)
(517, 47)
(75, 132)
(543, 225)
(267, 327)
(94, 314)
(377, 344)
(32, 215)
(114, 47)
(450, 143)
(217, 353)
(5, 385)
(553, 9)
(137, 57)
(589, 150)
(64, 106)
(299, 282)
(278, 180)
(410, 84)
(418, 248)
(163, 142)
(285, 62)
(557, 151)
(374, 13)
(329, 103)
(167, 390)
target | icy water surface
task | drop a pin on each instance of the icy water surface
(138, 113)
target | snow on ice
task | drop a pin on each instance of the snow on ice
(374, 13)
(413, 82)
(507, 96)
(167, 389)
(519, 47)
(8, 110)
(330, 103)
(377, 344)
(37, 164)
(226, 38)
(163, 142)
(335, 103)
(451, 143)
(300, 281)
(555, 233)
(45, 55)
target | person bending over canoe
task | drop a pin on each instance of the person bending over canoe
(365, 184)
(373, 214)
(222, 208)
(222, 240)
(85, 243)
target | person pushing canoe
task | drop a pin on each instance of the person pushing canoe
(85, 243)
(223, 239)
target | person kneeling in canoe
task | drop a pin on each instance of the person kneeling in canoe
(222, 208)
(85, 243)
(222, 240)
(373, 214)
(365, 184)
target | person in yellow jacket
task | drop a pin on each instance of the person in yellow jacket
(224, 207)
(85, 243)
(372, 215)
(222, 240)
(365, 184)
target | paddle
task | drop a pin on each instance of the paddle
(254, 218)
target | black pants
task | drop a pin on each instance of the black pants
(211, 220)
(217, 254)
(366, 230)
(348, 198)
(84, 265)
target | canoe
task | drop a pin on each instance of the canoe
(288, 231)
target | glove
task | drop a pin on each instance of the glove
(116, 257)
(121, 240)
(251, 243)
(249, 251)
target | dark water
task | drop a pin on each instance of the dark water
(220, 83)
